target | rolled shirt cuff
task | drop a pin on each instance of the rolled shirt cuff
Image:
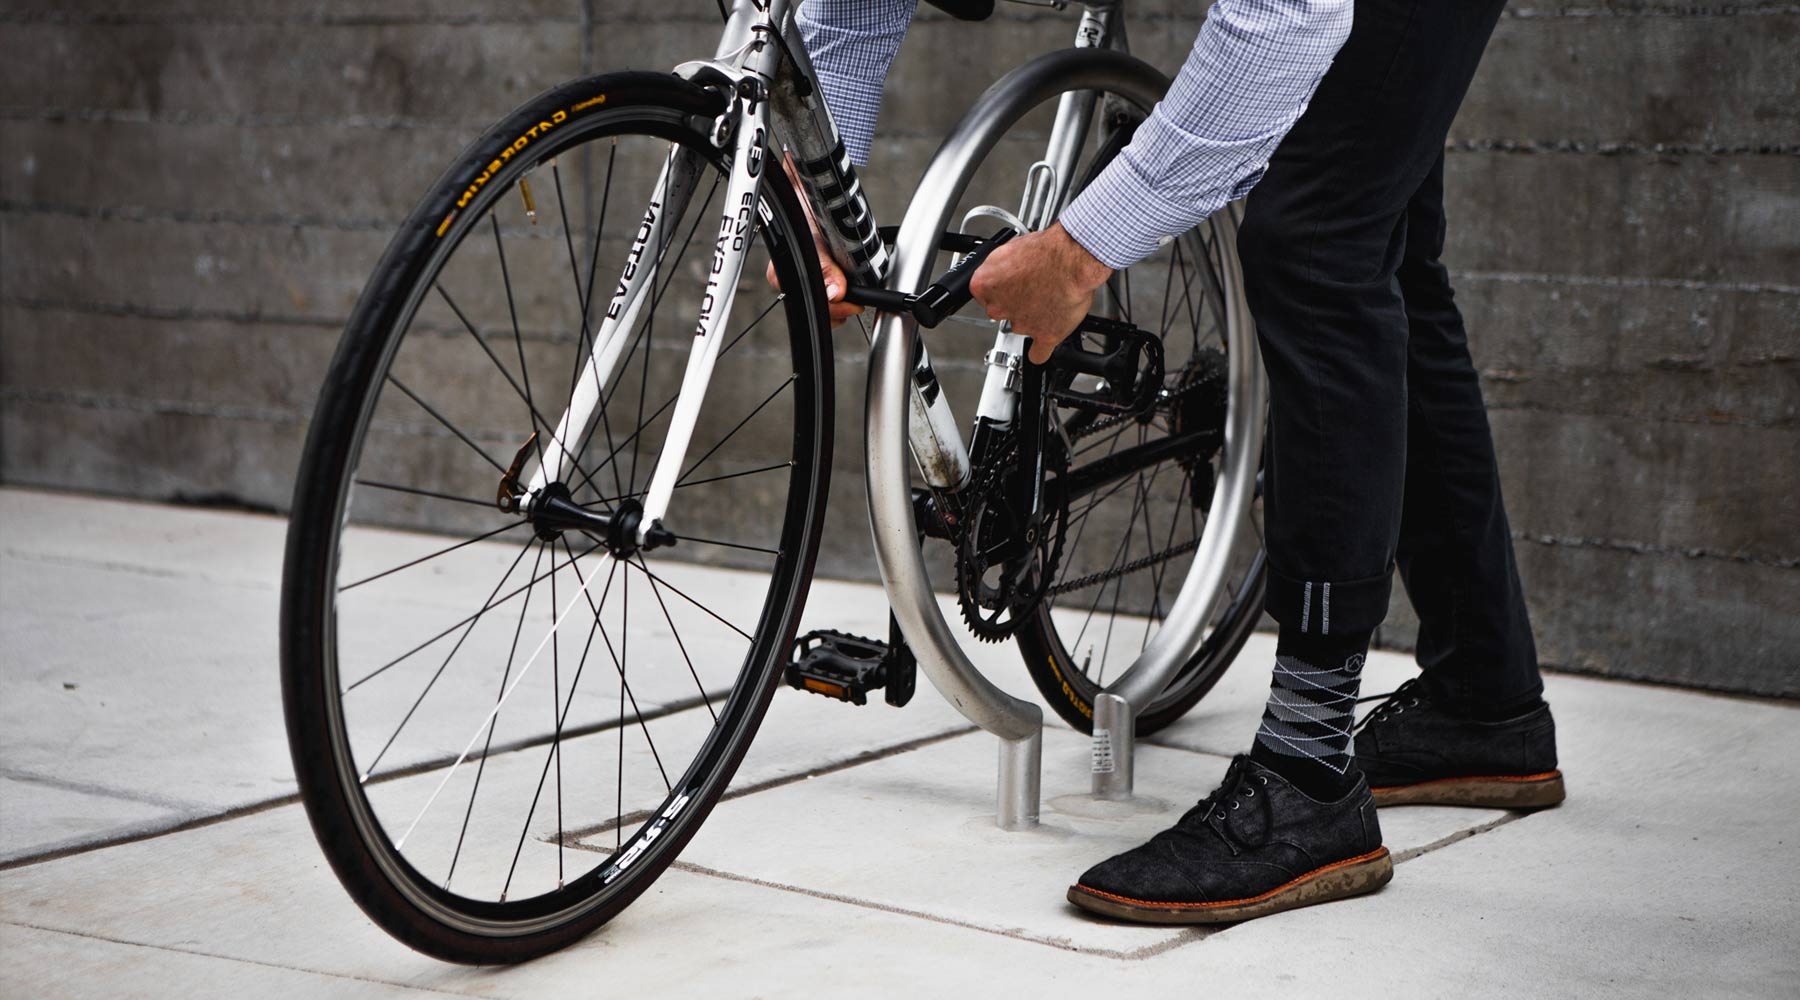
(1121, 218)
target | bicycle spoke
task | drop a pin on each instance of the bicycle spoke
(494, 604)
(556, 709)
(619, 661)
(1150, 548)
(512, 310)
(1170, 302)
(484, 536)
(489, 504)
(740, 426)
(587, 301)
(439, 672)
(452, 428)
(562, 209)
(677, 591)
(1157, 574)
(1117, 561)
(730, 545)
(524, 395)
(499, 699)
(657, 593)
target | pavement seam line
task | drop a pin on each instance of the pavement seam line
(571, 838)
(1188, 934)
(152, 831)
(1060, 945)
(158, 572)
(1410, 853)
(89, 935)
(180, 826)
(102, 791)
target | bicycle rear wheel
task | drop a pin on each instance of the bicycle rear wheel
(1133, 535)
(505, 728)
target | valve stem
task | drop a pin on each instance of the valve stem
(530, 203)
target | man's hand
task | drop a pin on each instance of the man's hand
(835, 283)
(1044, 283)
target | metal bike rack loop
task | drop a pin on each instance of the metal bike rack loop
(1018, 723)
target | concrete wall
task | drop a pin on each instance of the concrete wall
(191, 194)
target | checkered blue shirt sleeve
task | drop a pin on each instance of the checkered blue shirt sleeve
(1248, 78)
(852, 43)
(1253, 67)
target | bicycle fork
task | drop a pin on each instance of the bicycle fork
(746, 124)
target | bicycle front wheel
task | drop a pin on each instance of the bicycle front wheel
(506, 725)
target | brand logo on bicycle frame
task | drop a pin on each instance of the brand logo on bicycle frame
(754, 166)
(645, 228)
(734, 228)
(653, 831)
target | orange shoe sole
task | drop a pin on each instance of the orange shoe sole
(1527, 791)
(1350, 877)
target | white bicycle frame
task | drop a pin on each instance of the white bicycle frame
(765, 115)
(750, 58)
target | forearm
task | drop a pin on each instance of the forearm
(1252, 69)
(852, 43)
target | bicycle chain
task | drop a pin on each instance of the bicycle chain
(1174, 395)
(1129, 568)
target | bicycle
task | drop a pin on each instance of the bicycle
(486, 359)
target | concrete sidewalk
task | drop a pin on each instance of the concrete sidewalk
(150, 844)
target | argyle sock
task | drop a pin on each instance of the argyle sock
(1305, 731)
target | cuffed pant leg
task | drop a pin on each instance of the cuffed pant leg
(1322, 240)
(1455, 552)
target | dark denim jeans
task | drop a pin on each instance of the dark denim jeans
(1379, 450)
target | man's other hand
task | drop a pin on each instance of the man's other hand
(1044, 283)
(835, 283)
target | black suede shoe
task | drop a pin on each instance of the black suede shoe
(1254, 847)
(1415, 752)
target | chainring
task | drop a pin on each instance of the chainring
(994, 609)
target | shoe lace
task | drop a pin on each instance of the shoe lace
(1395, 702)
(1213, 810)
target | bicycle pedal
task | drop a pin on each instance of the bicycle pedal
(847, 667)
(1126, 364)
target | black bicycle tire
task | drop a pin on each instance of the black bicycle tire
(1071, 694)
(645, 101)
